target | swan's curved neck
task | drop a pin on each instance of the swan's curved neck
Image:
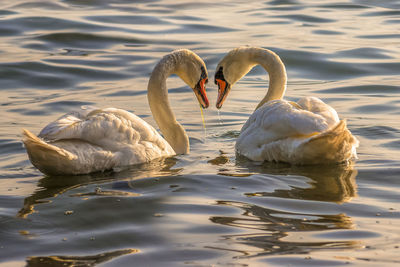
(276, 71)
(157, 94)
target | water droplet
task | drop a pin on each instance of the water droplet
(204, 123)
(219, 117)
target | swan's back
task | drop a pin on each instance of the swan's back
(306, 132)
(91, 140)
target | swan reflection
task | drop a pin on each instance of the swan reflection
(49, 186)
(329, 183)
(288, 218)
(90, 260)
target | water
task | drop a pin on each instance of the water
(209, 207)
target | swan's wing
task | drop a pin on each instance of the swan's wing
(317, 106)
(279, 120)
(305, 132)
(56, 129)
(109, 128)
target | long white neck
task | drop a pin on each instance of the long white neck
(157, 94)
(276, 71)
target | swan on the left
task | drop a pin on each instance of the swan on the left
(94, 139)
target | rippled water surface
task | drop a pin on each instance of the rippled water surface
(208, 208)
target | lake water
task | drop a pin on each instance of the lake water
(207, 208)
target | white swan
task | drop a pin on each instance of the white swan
(306, 132)
(92, 139)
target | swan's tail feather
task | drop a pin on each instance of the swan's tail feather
(334, 145)
(47, 158)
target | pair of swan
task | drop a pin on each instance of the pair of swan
(92, 139)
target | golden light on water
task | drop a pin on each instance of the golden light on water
(210, 206)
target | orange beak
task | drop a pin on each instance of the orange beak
(223, 90)
(200, 92)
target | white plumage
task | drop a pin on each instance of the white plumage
(93, 139)
(306, 132)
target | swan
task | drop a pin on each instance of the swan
(94, 139)
(301, 133)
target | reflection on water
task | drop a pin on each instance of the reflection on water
(266, 229)
(336, 183)
(209, 207)
(220, 160)
(275, 227)
(49, 186)
(77, 260)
